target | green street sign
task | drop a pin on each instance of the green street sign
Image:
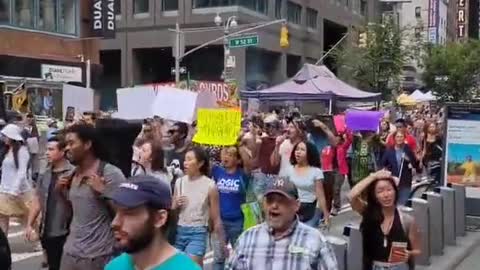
(240, 42)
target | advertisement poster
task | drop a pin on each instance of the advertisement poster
(462, 155)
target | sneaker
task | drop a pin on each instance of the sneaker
(335, 211)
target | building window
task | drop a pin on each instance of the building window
(67, 16)
(278, 9)
(118, 7)
(140, 6)
(47, 15)
(418, 12)
(57, 16)
(4, 11)
(169, 5)
(260, 6)
(294, 13)
(312, 15)
(363, 7)
(23, 15)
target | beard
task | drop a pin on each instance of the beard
(140, 240)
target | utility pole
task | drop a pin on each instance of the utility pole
(177, 52)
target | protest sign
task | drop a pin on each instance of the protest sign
(80, 98)
(175, 104)
(217, 126)
(339, 121)
(363, 120)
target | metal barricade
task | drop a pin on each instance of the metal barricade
(339, 246)
(422, 219)
(355, 247)
(435, 206)
(460, 217)
(448, 196)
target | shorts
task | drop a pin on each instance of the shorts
(192, 240)
(15, 206)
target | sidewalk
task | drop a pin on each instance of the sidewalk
(454, 255)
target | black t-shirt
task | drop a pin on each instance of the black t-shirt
(175, 158)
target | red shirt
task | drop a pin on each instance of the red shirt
(409, 140)
(327, 158)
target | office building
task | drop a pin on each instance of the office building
(141, 53)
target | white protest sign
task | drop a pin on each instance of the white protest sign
(135, 103)
(80, 98)
(175, 104)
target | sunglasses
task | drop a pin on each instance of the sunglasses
(172, 131)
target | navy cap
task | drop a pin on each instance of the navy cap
(142, 190)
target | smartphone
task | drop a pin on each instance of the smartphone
(397, 246)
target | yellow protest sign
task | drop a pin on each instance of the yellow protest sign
(217, 126)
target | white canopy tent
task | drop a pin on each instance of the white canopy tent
(418, 96)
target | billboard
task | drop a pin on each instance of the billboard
(462, 147)
(103, 18)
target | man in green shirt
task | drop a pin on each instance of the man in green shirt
(142, 207)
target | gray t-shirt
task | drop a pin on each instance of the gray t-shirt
(90, 233)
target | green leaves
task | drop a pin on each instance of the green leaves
(378, 66)
(452, 71)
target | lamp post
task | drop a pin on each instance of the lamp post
(230, 23)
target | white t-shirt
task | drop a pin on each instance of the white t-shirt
(304, 182)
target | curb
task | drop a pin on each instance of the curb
(454, 255)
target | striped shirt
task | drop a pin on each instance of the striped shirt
(300, 248)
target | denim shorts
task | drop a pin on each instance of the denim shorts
(192, 240)
(402, 266)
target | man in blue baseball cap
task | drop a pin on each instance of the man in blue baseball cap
(142, 207)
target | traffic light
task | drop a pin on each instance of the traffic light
(362, 40)
(284, 43)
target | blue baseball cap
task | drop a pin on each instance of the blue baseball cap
(142, 190)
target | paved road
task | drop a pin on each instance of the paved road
(472, 262)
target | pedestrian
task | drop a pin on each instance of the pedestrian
(344, 141)
(197, 202)
(15, 187)
(142, 214)
(282, 241)
(296, 132)
(90, 242)
(153, 162)
(55, 212)
(306, 175)
(432, 151)
(391, 238)
(401, 126)
(400, 160)
(174, 157)
(232, 180)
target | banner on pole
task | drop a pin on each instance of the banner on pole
(217, 127)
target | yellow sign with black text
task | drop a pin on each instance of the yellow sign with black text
(218, 127)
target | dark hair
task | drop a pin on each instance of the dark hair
(201, 156)
(313, 157)
(182, 129)
(372, 216)
(401, 121)
(60, 140)
(93, 115)
(15, 146)
(88, 133)
(158, 160)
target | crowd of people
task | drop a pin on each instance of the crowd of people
(149, 198)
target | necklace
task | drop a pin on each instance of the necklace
(385, 230)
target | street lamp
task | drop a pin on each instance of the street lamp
(230, 23)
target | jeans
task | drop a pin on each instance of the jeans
(402, 266)
(54, 248)
(192, 240)
(337, 191)
(232, 230)
(315, 220)
(328, 188)
(403, 195)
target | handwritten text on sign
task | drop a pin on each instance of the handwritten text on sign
(217, 127)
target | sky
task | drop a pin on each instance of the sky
(458, 152)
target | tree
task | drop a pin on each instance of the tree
(376, 66)
(452, 72)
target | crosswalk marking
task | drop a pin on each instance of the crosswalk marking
(17, 257)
